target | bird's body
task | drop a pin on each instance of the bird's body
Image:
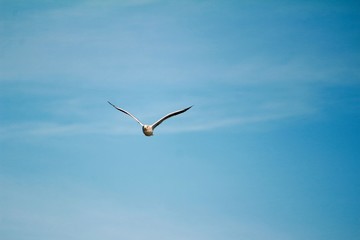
(148, 130)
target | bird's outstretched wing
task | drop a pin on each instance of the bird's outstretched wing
(126, 112)
(158, 122)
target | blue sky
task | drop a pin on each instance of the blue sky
(270, 149)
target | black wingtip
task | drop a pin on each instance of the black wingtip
(112, 105)
(185, 109)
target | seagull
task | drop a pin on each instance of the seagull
(148, 130)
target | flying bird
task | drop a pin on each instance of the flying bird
(148, 130)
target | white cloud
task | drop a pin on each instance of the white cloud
(298, 70)
(193, 121)
(115, 54)
(71, 210)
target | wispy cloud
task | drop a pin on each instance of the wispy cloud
(197, 120)
(45, 211)
(45, 129)
(171, 64)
